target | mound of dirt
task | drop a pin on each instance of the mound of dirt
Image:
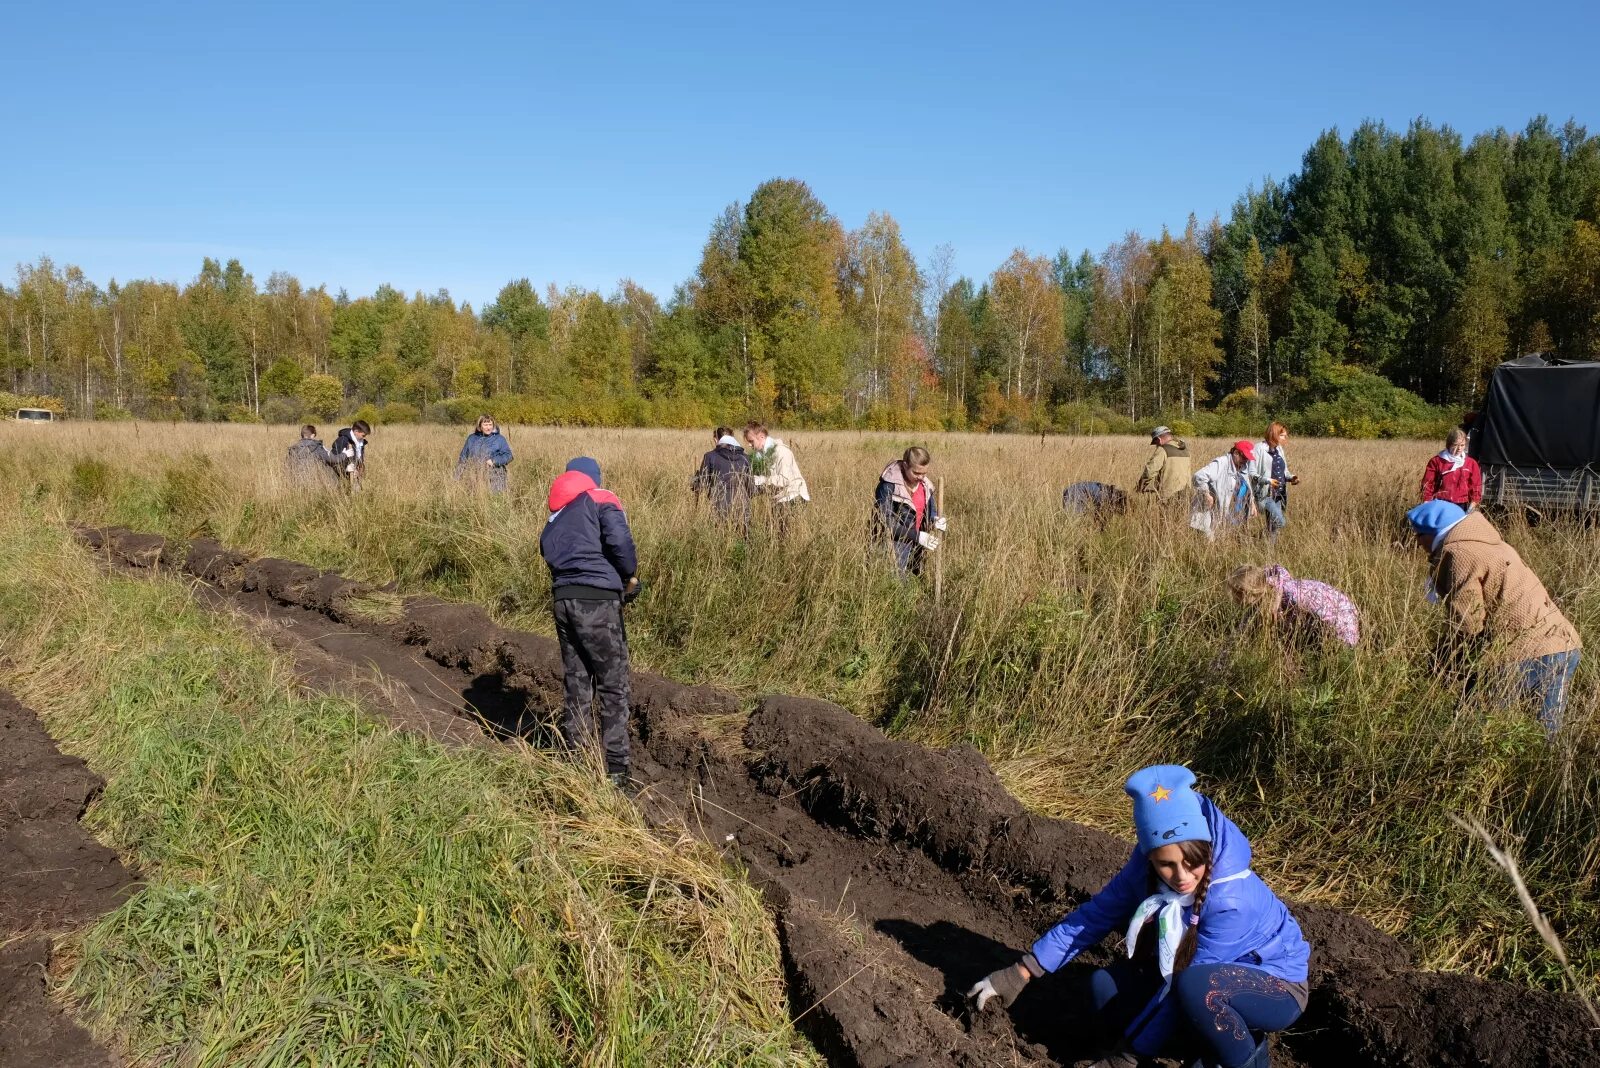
(53, 878)
(897, 874)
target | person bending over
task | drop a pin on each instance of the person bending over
(1296, 605)
(1497, 606)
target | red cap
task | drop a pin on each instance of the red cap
(1246, 448)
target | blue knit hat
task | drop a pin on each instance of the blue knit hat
(1165, 808)
(587, 466)
(1433, 518)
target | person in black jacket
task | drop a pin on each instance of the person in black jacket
(350, 449)
(310, 464)
(593, 569)
(724, 477)
(904, 511)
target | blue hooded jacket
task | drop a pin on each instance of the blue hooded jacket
(1241, 922)
(480, 446)
(586, 541)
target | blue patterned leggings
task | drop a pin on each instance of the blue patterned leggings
(1227, 1005)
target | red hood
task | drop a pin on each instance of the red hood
(571, 485)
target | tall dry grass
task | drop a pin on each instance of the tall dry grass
(1068, 652)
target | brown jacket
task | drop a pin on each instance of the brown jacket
(1491, 596)
(1167, 472)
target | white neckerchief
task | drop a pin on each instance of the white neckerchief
(727, 439)
(1167, 906)
(360, 445)
(1453, 460)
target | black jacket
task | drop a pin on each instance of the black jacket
(724, 476)
(345, 440)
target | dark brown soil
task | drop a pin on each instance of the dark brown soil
(53, 878)
(897, 875)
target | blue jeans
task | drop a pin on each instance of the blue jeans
(1222, 1011)
(1276, 519)
(1548, 679)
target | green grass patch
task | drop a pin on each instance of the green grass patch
(322, 890)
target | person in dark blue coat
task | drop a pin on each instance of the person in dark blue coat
(1216, 961)
(593, 569)
(486, 454)
(724, 478)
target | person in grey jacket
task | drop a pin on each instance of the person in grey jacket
(486, 454)
(310, 463)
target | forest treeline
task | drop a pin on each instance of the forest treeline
(1370, 293)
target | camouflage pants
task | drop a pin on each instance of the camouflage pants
(594, 657)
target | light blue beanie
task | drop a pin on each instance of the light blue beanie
(1433, 518)
(1165, 807)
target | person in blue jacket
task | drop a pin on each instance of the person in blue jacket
(485, 453)
(1215, 960)
(594, 568)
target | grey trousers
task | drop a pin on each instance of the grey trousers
(594, 659)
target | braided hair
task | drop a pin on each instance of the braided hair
(1194, 855)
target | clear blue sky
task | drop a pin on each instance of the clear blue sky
(463, 145)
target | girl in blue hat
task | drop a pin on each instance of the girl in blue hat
(1215, 960)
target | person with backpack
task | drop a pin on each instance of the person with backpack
(486, 454)
(310, 463)
(350, 449)
(588, 547)
(1215, 961)
(724, 479)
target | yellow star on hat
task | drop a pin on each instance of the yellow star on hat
(1161, 793)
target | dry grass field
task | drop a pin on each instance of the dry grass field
(1069, 653)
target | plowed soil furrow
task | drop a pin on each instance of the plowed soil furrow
(54, 877)
(896, 874)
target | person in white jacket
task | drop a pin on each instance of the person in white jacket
(777, 473)
(1222, 490)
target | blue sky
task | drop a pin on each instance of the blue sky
(460, 146)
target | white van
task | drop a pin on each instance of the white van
(35, 415)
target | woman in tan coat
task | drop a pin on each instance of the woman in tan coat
(1495, 601)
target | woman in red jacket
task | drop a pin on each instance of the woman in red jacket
(1453, 475)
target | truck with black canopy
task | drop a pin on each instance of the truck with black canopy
(1538, 435)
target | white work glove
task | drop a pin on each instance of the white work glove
(927, 540)
(761, 480)
(351, 468)
(1003, 985)
(348, 451)
(940, 523)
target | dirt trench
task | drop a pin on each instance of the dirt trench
(896, 875)
(54, 877)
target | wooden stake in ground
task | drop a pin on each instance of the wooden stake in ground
(938, 557)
